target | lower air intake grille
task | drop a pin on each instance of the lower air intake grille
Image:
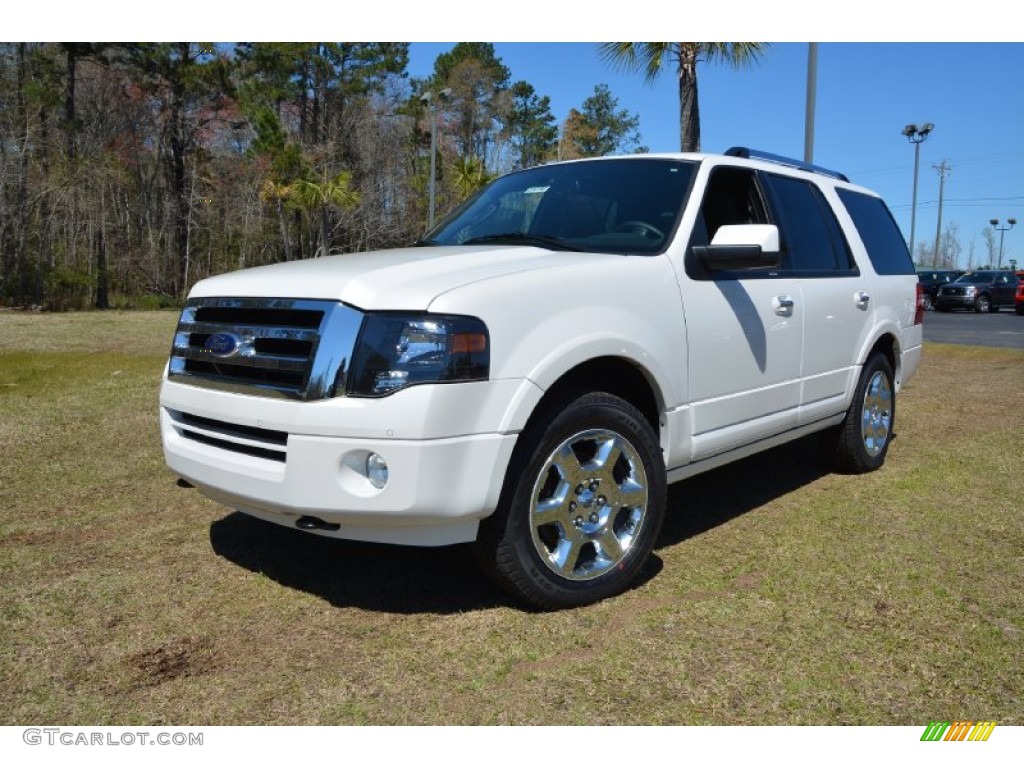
(252, 441)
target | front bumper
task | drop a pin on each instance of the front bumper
(954, 302)
(239, 450)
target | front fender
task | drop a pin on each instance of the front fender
(545, 323)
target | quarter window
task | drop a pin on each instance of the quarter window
(879, 233)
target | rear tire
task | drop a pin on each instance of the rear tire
(861, 442)
(582, 505)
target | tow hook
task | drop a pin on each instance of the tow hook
(307, 523)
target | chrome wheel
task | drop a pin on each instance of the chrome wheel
(588, 504)
(876, 415)
(582, 506)
(861, 442)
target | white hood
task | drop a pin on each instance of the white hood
(404, 278)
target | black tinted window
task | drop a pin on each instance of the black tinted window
(879, 233)
(731, 197)
(811, 239)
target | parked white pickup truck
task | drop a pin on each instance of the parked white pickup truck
(532, 374)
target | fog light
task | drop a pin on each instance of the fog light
(376, 470)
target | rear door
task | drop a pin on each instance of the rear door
(836, 297)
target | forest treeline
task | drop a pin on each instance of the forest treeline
(130, 171)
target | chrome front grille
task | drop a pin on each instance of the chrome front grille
(291, 348)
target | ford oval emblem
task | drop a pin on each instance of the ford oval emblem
(223, 344)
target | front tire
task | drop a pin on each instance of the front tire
(982, 304)
(861, 442)
(582, 505)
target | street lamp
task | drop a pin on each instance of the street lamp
(428, 99)
(1002, 231)
(916, 134)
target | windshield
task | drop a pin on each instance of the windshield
(625, 205)
(977, 277)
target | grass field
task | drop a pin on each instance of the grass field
(779, 593)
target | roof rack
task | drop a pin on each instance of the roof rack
(756, 154)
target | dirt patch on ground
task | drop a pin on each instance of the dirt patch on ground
(183, 657)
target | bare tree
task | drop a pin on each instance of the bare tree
(991, 244)
(951, 247)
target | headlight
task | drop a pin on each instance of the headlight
(971, 290)
(397, 350)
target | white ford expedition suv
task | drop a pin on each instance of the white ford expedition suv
(532, 374)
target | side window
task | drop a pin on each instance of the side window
(879, 233)
(811, 238)
(732, 197)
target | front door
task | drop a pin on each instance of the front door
(744, 330)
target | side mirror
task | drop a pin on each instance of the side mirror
(741, 246)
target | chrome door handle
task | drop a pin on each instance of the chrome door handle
(783, 305)
(862, 299)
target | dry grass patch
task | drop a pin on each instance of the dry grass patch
(779, 593)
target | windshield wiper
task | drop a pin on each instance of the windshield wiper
(421, 243)
(523, 238)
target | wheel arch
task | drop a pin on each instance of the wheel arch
(887, 344)
(618, 376)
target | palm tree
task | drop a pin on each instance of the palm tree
(468, 175)
(319, 198)
(653, 58)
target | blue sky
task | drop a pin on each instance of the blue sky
(867, 92)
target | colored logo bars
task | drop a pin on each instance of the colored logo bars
(959, 730)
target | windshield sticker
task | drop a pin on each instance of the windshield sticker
(536, 190)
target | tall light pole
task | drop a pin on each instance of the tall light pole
(428, 99)
(812, 88)
(916, 134)
(1002, 231)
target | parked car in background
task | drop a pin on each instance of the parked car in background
(986, 290)
(1018, 304)
(933, 279)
